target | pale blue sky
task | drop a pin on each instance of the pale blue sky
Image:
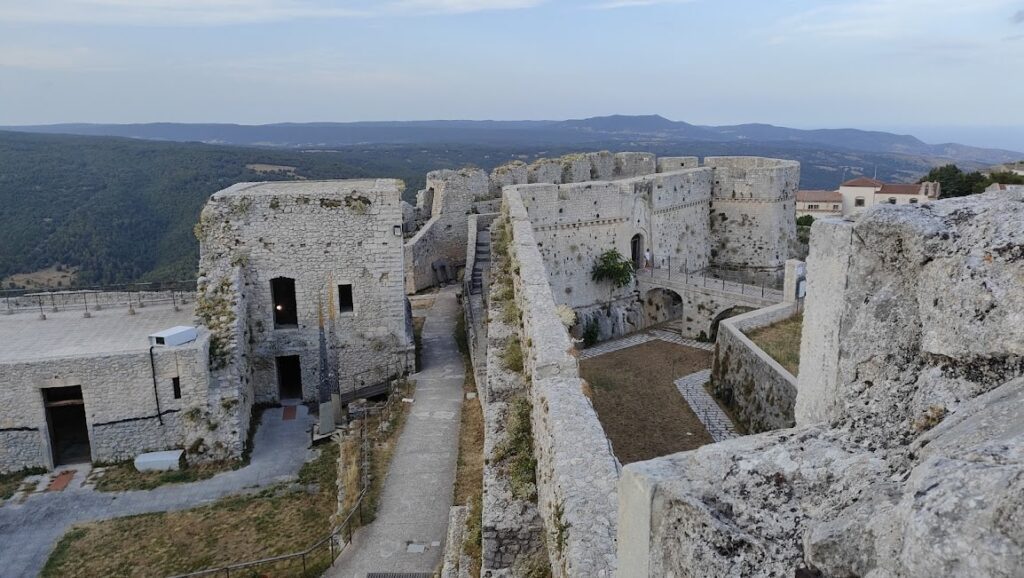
(867, 63)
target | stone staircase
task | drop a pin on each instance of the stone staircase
(481, 262)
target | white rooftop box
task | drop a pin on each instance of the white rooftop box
(174, 336)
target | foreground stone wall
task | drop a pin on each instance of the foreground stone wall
(906, 459)
(758, 390)
(576, 470)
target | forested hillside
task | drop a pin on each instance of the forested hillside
(122, 210)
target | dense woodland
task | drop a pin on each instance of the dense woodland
(122, 210)
(958, 183)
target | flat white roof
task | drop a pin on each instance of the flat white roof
(24, 337)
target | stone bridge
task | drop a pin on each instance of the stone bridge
(698, 301)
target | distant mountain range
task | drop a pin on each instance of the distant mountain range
(650, 129)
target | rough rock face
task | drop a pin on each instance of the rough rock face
(908, 456)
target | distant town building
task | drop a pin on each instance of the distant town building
(861, 193)
(819, 203)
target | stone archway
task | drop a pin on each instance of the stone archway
(661, 305)
(730, 312)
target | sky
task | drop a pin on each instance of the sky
(945, 67)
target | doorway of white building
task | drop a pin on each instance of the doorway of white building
(65, 419)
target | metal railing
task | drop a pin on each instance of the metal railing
(97, 298)
(750, 282)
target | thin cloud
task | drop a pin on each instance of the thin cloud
(232, 12)
(615, 4)
(881, 19)
(1018, 17)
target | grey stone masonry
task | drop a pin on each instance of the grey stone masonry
(322, 237)
(756, 388)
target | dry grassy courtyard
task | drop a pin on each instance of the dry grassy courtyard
(636, 399)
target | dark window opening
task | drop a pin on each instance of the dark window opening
(282, 292)
(289, 377)
(892, 200)
(345, 302)
(858, 202)
(65, 419)
(176, 385)
(913, 201)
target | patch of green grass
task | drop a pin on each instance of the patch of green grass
(517, 451)
(123, 476)
(276, 521)
(9, 483)
(510, 313)
(781, 341)
(512, 356)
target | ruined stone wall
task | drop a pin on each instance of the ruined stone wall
(906, 459)
(753, 221)
(576, 470)
(321, 234)
(455, 194)
(758, 390)
(120, 405)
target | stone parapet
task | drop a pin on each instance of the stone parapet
(760, 392)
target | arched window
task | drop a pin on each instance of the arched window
(282, 293)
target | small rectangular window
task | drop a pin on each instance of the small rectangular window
(345, 302)
(858, 202)
(176, 384)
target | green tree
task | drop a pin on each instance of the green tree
(612, 266)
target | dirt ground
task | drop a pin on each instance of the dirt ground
(642, 412)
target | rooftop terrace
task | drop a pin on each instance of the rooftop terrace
(26, 337)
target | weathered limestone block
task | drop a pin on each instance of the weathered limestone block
(545, 171)
(634, 164)
(169, 460)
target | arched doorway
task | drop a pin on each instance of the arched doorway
(730, 312)
(636, 250)
(662, 305)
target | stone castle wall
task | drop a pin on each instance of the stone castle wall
(759, 391)
(321, 235)
(752, 211)
(576, 470)
(454, 194)
(905, 460)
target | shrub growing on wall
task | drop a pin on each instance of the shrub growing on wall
(612, 266)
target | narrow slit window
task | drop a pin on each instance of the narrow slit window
(345, 302)
(282, 292)
(176, 385)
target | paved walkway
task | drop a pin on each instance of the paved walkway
(29, 530)
(644, 337)
(409, 532)
(711, 415)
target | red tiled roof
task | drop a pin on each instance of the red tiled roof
(818, 197)
(888, 189)
(862, 182)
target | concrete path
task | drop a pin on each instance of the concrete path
(409, 532)
(29, 530)
(711, 415)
